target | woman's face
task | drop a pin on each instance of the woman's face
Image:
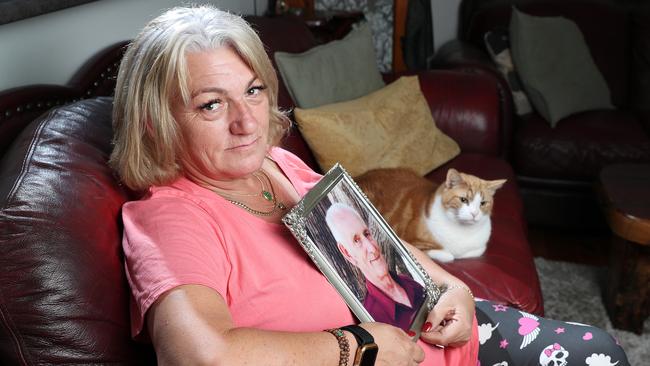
(226, 123)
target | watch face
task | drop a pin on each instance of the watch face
(366, 355)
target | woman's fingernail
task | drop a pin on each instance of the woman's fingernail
(410, 333)
(427, 327)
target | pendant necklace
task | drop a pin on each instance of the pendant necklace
(268, 195)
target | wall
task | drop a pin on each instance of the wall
(445, 21)
(49, 48)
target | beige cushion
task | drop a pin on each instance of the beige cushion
(392, 127)
(334, 72)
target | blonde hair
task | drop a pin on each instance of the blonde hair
(147, 141)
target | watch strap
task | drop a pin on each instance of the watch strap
(362, 336)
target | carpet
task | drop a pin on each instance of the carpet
(572, 292)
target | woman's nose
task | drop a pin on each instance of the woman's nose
(241, 118)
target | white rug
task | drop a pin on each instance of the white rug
(572, 292)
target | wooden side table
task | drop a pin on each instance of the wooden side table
(625, 199)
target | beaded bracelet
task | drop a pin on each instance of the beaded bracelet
(344, 345)
(459, 286)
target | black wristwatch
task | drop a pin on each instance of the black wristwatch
(367, 350)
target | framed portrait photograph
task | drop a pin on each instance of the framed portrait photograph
(360, 255)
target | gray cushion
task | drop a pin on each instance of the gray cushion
(556, 67)
(337, 71)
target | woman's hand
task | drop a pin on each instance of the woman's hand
(450, 321)
(396, 348)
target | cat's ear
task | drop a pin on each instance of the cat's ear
(453, 178)
(493, 185)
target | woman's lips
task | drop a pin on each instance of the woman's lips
(243, 146)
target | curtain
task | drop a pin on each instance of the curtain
(379, 14)
(417, 43)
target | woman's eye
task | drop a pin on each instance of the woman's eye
(366, 233)
(255, 90)
(211, 106)
(356, 239)
(463, 200)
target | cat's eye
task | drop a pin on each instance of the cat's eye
(463, 200)
(483, 203)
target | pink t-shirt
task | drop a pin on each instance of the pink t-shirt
(185, 234)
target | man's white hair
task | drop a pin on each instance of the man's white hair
(333, 212)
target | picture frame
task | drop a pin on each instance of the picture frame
(337, 226)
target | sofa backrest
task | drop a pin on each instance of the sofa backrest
(605, 25)
(64, 295)
(19, 106)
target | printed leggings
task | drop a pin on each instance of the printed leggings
(510, 337)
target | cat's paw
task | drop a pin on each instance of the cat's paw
(440, 255)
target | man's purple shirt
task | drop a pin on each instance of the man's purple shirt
(384, 309)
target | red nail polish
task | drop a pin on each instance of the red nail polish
(410, 333)
(427, 327)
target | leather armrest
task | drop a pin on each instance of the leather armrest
(466, 107)
(465, 57)
(456, 53)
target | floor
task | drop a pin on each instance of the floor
(570, 246)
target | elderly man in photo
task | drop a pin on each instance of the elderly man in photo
(390, 298)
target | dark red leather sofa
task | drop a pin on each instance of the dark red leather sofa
(63, 293)
(557, 167)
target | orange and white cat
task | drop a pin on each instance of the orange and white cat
(448, 221)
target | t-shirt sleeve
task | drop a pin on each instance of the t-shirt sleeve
(168, 242)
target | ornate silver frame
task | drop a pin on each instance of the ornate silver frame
(306, 221)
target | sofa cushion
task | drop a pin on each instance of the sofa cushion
(579, 146)
(389, 128)
(556, 67)
(64, 292)
(337, 71)
(508, 245)
(609, 45)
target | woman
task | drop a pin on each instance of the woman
(215, 277)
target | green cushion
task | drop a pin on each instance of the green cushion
(556, 67)
(337, 71)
